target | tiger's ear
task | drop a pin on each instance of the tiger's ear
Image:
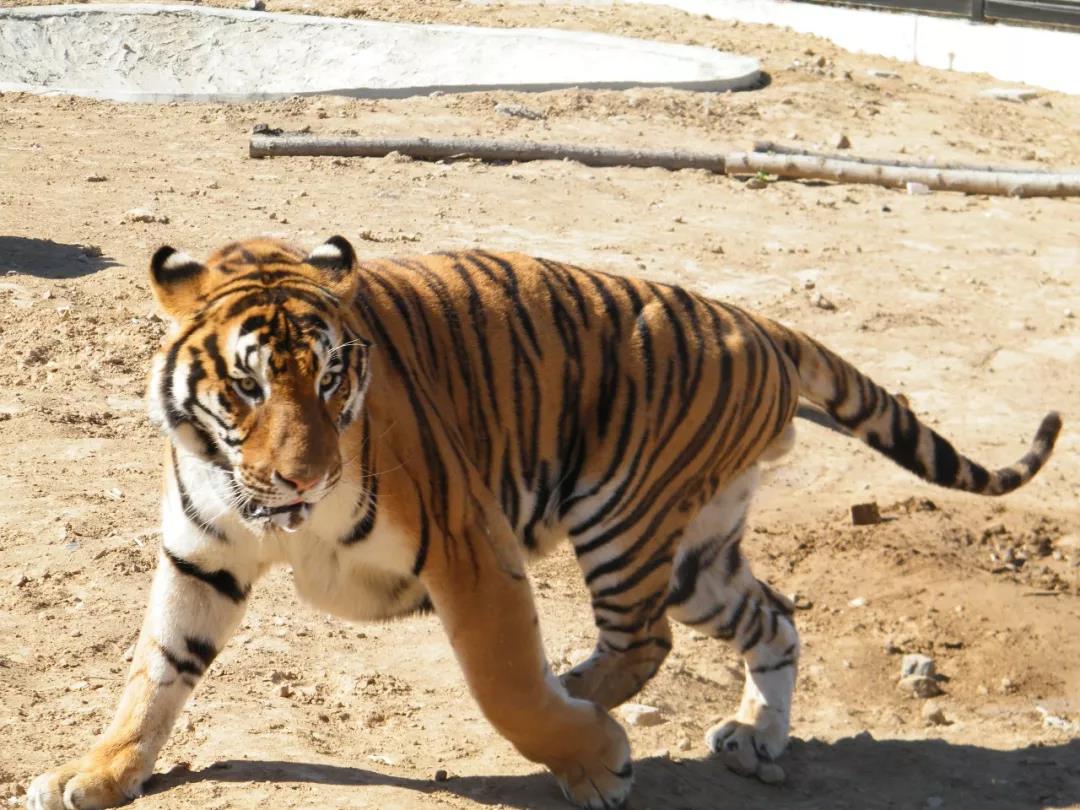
(336, 260)
(177, 281)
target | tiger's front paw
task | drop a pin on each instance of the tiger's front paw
(89, 783)
(604, 781)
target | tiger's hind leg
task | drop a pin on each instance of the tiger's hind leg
(628, 583)
(714, 591)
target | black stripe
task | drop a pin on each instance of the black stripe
(201, 649)
(221, 580)
(181, 666)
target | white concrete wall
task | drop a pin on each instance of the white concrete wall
(1049, 59)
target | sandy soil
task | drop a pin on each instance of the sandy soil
(965, 304)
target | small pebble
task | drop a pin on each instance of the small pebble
(865, 514)
(96, 178)
(841, 141)
(821, 302)
(441, 775)
(256, 5)
(1014, 94)
(933, 714)
(638, 714)
(915, 664)
(857, 602)
(756, 183)
(919, 686)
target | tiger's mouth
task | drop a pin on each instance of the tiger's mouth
(289, 517)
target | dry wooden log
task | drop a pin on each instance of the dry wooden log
(1015, 184)
(267, 143)
(784, 149)
(293, 144)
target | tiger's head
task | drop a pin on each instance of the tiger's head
(262, 370)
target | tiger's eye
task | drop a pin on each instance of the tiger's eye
(247, 385)
(327, 379)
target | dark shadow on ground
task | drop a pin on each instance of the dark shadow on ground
(854, 773)
(47, 259)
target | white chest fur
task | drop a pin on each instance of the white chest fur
(369, 579)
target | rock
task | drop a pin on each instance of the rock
(1014, 94)
(841, 141)
(638, 714)
(441, 775)
(933, 714)
(857, 602)
(519, 111)
(683, 744)
(915, 664)
(256, 5)
(821, 302)
(919, 686)
(20, 579)
(1007, 686)
(801, 601)
(878, 73)
(891, 648)
(96, 178)
(770, 773)
(283, 690)
(865, 514)
(756, 183)
(143, 215)
(129, 653)
(917, 189)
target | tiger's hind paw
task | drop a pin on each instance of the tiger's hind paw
(749, 750)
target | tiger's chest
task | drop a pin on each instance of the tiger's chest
(361, 581)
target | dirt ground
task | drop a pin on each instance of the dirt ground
(968, 305)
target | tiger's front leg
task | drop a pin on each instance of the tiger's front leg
(477, 584)
(195, 605)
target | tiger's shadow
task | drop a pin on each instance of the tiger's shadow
(856, 772)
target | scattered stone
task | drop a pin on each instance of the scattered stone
(878, 73)
(441, 775)
(757, 183)
(917, 189)
(841, 141)
(1007, 686)
(891, 648)
(821, 302)
(801, 601)
(922, 665)
(820, 62)
(143, 215)
(683, 744)
(91, 251)
(638, 714)
(20, 579)
(857, 602)
(933, 714)
(1014, 94)
(865, 514)
(284, 690)
(96, 178)
(520, 111)
(256, 5)
(770, 773)
(919, 686)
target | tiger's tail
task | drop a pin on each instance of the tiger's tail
(884, 421)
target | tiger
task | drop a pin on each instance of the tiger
(406, 433)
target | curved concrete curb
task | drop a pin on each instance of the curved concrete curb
(173, 53)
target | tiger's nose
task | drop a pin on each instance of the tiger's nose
(299, 484)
